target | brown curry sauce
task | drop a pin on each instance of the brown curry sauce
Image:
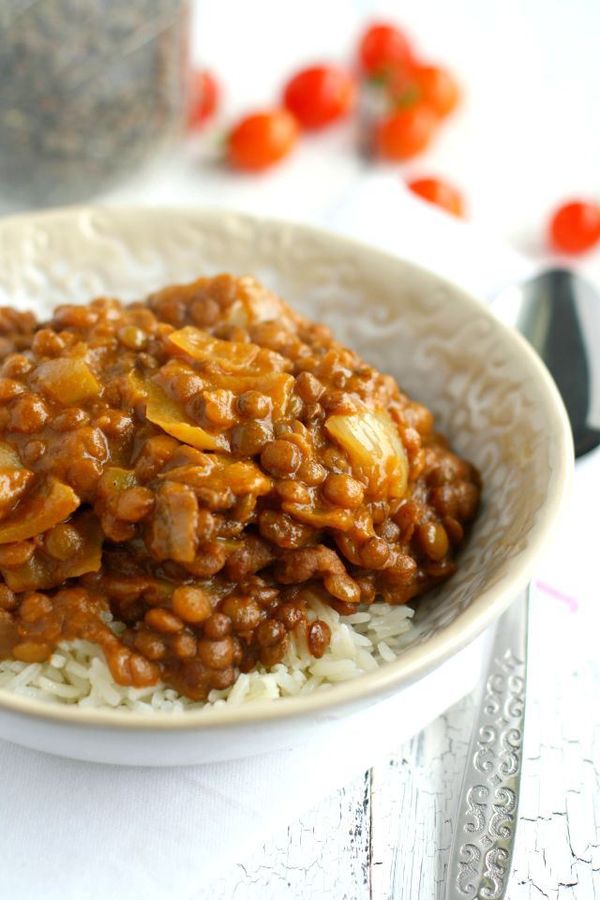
(195, 466)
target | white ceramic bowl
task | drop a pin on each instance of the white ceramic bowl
(491, 394)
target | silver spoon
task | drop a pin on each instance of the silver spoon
(559, 313)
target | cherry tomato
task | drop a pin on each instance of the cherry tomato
(319, 95)
(259, 140)
(439, 192)
(384, 48)
(575, 227)
(204, 98)
(437, 87)
(401, 88)
(405, 132)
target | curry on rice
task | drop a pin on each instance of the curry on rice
(195, 466)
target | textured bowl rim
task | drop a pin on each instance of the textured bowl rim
(416, 661)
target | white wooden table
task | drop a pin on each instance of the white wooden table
(387, 835)
(527, 136)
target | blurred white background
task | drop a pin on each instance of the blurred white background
(526, 136)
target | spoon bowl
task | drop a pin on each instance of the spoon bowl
(559, 314)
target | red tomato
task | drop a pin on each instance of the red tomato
(204, 98)
(439, 192)
(319, 95)
(261, 139)
(437, 87)
(405, 132)
(384, 48)
(575, 227)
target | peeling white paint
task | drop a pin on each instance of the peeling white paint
(387, 835)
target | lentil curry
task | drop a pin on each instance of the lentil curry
(193, 466)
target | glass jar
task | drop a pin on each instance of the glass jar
(89, 91)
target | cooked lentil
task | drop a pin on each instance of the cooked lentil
(192, 465)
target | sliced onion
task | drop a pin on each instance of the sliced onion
(15, 479)
(42, 508)
(340, 519)
(168, 415)
(375, 450)
(68, 381)
(228, 356)
(276, 385)
(41, 572)
(255, 304)
(9, 458)
(14, 483)
(239, 476)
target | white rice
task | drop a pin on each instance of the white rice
(77, 674)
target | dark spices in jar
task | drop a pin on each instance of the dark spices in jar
(90, 91)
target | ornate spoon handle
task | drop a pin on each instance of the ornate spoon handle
(482, 846)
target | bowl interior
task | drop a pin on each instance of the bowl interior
(490, 394)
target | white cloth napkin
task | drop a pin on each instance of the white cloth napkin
(78, 831)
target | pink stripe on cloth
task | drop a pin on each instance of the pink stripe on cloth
(571, 602)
